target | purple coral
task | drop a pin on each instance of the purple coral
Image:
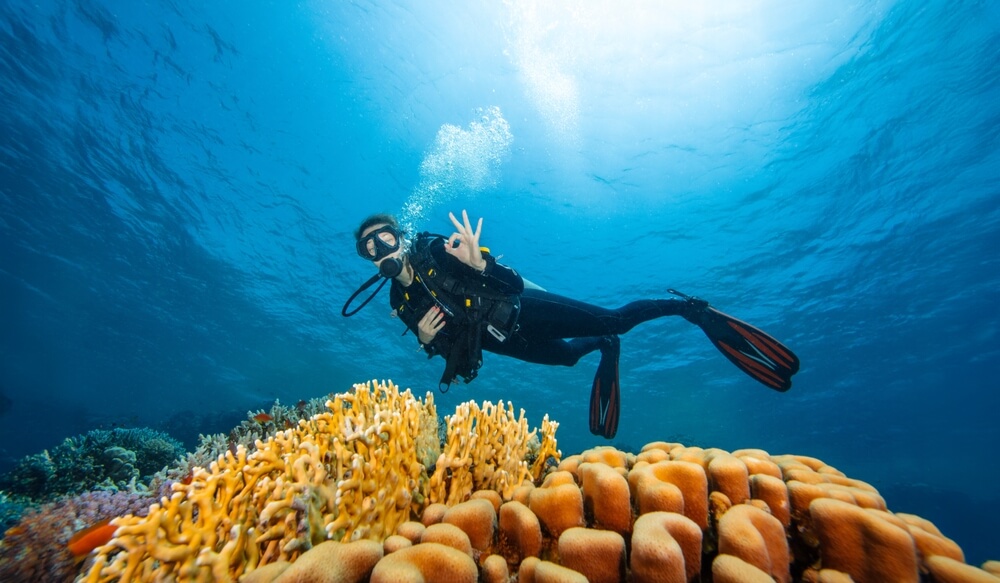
(36, 548)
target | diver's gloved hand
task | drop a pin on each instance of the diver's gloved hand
(693, 309)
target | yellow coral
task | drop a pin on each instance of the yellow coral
(487, 449)
(350, 473)
(547, 449)
(357, 471)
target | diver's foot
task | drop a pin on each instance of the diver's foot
(693, 309)
(610, 346)
(605, 394)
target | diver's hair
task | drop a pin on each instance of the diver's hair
(377, 219)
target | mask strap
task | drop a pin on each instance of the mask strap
(364, 286)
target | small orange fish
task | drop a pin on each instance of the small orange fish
(15, 531)
(88, 539)
(262, 417)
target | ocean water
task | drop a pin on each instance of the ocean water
(179, 183)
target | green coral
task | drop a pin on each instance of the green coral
(119, 464)
(115, 459)
(32, 474)
(11, 510)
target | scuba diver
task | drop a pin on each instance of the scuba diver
(459, 301)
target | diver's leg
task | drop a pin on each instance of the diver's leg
(547, 315)
(552, 351)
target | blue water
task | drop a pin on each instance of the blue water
(179, 182)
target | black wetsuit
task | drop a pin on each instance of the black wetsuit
(551, 329)
(554, 329)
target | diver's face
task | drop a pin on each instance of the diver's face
(379, 251)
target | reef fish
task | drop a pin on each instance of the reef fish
(88, 539)
(262, 417)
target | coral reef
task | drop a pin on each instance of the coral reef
(487, 448)
(36, 549)
(356, 471)
(116, 459)
(247, 433)
(672, 514)
(364, 491)
(352, 472)
(11, 510)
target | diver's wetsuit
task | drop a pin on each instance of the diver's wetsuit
(546, 320)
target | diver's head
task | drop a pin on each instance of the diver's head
(380, 240)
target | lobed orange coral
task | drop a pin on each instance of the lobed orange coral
(756, 537)
(841, 534)
(666, 546)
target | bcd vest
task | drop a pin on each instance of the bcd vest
(471, 307)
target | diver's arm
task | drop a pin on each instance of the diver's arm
(494, 275)
(440, 344)
(500, 277)
(463, 245)
(430, 325)
(464, 242)
(430, 343)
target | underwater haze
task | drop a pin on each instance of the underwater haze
(180, 182)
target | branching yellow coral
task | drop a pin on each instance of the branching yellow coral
(347, 474)
(546, 449)
(487, 449)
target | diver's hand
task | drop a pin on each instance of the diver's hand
(468, 251)
(430, 325)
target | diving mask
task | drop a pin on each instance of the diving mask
(377, 246)
(379, 243)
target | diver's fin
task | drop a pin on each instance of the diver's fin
(751, 349)
(605, 396)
